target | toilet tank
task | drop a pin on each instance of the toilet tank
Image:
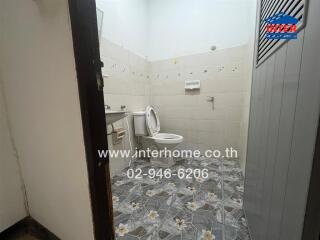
(139, 119)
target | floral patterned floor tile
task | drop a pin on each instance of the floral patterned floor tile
(181, 209)
(232, 233)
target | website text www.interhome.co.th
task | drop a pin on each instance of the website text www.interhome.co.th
(167, 153)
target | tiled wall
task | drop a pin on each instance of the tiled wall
(224, 75)
(126, 83)
(133, 81)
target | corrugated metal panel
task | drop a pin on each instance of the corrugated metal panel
(269, 8)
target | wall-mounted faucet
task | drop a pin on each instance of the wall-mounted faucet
(211, 99)
(123, 107)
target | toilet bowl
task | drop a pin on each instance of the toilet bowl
(166, 140)
(147, 126)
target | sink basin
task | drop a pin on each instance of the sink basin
(114, 115)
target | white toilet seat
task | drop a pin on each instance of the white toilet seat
(152, 121)
(167, 138)
(153, 128)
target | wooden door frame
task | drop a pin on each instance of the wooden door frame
(88, 66)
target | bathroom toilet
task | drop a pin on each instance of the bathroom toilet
(147, 126)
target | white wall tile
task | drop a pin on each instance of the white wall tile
(224, 75)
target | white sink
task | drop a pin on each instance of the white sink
(114, 115)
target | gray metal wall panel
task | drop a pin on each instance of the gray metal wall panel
(273, 133)
(257, 130)
(284, 111)
(307, 111)
(251, 167)
(289, 95)
(270, 69)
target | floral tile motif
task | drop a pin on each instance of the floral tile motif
(181, 209)
(232, 233)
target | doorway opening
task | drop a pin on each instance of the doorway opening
(177, 90)
(176, 104)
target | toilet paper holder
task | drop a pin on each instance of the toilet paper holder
(117, 135)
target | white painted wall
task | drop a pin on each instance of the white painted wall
(11, 194)
(125, 23)
(38, 72)
(184, 27)
(163, 29)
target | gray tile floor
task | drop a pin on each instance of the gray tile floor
(185, 209)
